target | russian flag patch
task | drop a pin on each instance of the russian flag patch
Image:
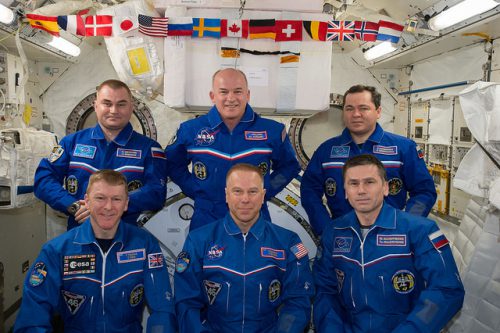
(438, 239)
(158, 153)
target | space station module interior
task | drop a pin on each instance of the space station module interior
(441, 89)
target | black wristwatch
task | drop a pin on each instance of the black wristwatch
(74, 207)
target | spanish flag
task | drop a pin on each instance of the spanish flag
(316, 29)
(262, 29)
(47, 23)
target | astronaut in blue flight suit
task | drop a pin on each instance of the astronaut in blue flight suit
(99, 276)
(230, 133)
(111, 144)
(406, 169)
(243, 273)
(380, 269)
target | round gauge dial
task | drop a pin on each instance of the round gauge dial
(186, 211)
(83, 116)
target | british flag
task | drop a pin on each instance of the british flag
(155, 260)
(340, 30)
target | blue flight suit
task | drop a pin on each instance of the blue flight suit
(401, 278)
(79, 155)
(207, 144)
(407, 174)
(96, 292)
(226, 281)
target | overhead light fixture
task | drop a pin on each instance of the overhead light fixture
(64, 46)
(379, 50)
(460, 12)
(7, 16)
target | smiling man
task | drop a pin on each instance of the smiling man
(410, 185)
(380, 269)
(243, 273)
(230, 133)
(99, 276)
(61, 179)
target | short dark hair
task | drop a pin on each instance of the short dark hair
(365, 159)
(114, 84)
(245, 167)
(230, 69)
(376, 96)
(110, 177)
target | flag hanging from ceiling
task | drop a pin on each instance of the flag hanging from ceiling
(153, 26)
(234, 28)
(72, 23)
(180, 26)
(287, 30)
(340, 31)
(47, 23)
(206, 27)
(262, 29)
(389, 31)
(316, 29)
(366, 31)
(99, 25)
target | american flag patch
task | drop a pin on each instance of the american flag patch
(299, 250)
(438, 239)
(385, 150)
(155, 260)
(158, 153)
(267, 252)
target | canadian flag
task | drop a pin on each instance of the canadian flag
(99, 25)
(234, 28)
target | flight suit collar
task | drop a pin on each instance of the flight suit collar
(215, 119)
(376, 136)
(386, 219)
(257, 230)
(85, 234)
(121, 139)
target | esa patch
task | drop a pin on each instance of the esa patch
(274, 290)
(395, 186)
(57, 152)
(79, 264)
(342, 244)
(255, 135)
(299, 250)
(215, 252)
(200, 170)
(158, 153)
(438, 239)
(73, 301)
(129, 153)
(38, 274)
(330, 187)
(385, 150)
(85, 151)
(182, 262)
(71, 184)
(340, 278)
(130, 256)
(267, 252)
(212, 289)
(205, 137)
(136, 295)
(340, 152)
(134, 185)
(403, 281)
(155, 260)
(391, 240)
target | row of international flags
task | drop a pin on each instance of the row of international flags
(278, 30)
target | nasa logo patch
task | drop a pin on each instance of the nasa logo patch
(215, 252)
(205, 137)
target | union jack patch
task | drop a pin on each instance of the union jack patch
(155, 260)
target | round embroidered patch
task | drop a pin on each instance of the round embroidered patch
(182, 262)
(330, 187)
(38, 274)
(395, 186)
(136, 295)
(274, 291)
(200, 170)
(403, 281)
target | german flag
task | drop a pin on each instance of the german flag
(47, 23)
(262, 29)
(316, 29)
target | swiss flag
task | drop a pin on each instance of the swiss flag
(99, 25)
(234, 28)
(287, 30)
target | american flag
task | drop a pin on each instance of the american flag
(299, 250)
(153, 26)
(340, 30)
